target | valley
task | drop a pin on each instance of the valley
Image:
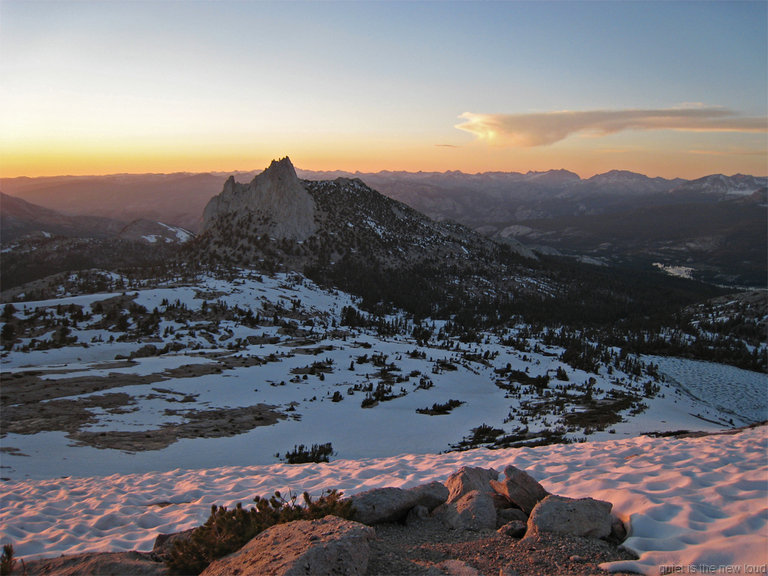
(321, 333)
(217, 372)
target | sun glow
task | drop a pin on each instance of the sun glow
(90, 88)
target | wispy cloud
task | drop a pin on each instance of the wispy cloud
(541, 129)
(728, 152)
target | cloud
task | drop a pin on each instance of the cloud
(541, 129)
(729, 152)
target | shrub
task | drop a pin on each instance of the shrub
(317, 453)
(483, 434)
(437, 409)
(227, 531)
(7, 561)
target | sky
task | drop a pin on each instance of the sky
(663, 88)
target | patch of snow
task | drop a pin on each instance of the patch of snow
(678, 271)
(181, 234)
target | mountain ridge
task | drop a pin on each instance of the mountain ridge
(502, 205)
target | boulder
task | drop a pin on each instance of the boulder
(468, 479)
(520, 489)
(618, 530)
(430, 495)
(96, 563)
(326, 547)
(473, 511)
(164, 542)
(383, 505)
(577, 517)
(513, 529)
(505, 515)
(417, 514)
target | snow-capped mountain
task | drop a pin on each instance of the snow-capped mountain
(630, 183)
(722, 187)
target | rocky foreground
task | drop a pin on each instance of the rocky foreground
(478, 522)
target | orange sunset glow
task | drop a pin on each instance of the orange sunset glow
(153, 87)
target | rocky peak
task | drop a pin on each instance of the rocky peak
(280, 171)
(277, 198)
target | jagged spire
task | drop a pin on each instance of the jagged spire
(279, 172)
(276, 195)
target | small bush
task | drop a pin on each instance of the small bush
(317, 453)
(483, 434)
(438, 409)
(7, 561)
(227, 531)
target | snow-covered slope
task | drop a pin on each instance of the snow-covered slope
(154, 232)
(722, 187)
(692, 503)
(114, 403)
(224, 372)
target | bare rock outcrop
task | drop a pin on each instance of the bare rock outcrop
(278, 200)
(96, 563)
(474, 510)
(505, 515)
(381, 505)
(430, 495)
(585, 517)
(468, 479)
(520, 489)
(513, 529)
(326, 547)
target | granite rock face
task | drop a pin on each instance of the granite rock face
(585, 517)
(326, 547)
(381, 505)
(520, 489)
(430, 495)
(472, 511)
(122, 563)
(468, 479)
(276, 198)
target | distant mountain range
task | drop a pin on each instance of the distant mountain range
(19, 218)
(38, 242)
(714, 225)
(475, 200)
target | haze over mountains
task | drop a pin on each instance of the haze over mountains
(473, 199)
(714, 225)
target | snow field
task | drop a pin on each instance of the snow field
(386, 429)
(689, 501)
